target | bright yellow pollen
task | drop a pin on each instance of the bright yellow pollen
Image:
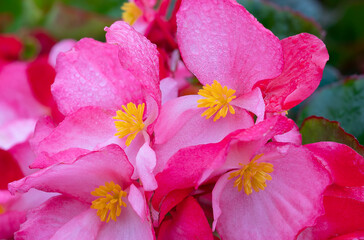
(252, 175)
(2, 209)
(131, 12)
(130, 121)
(217, 99)
(109, 203)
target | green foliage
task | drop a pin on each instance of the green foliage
(282, 22)
(316, 129)
(342, 102)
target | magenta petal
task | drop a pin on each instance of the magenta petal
(145, 164)
(291, 201)
(91, 75)
(44, 221)
(220, 40)
(80, 178)
(305, 57)
(345, 165)
(10, 223)
(188, 222)
(137, 55)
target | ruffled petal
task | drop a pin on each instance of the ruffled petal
(84, 175)
(305, 57)
(221, 40)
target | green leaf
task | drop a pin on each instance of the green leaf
(110, 8)
(317, 129)
(342, 102)
(282, 22)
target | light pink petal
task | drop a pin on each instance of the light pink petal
(43, 128)
(137, 55)
(16, 131)
(191, 128)
(16, 98)
(253, 102)
(188, 222)
(220, 40)
(44, 221)
(83, 226)
(305, 57)
(345, 165)
(291, 201)
(169, 89)
(62, 46)
(24, 155)
(137, 201)
(129, 225)
(80, 178)
(91, 75)
(85, 130)
(145, 164)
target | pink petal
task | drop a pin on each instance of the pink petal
(137, 201)
(91, 75)
(44, 221)
(220, 40)
(129, 225)
(292, 136)
(24, 156)
(345, 165)
(137, 55)
(291, 201)
(191, 128)
(145, 164)
(16, 131)
(188, 222)
(10, 223)
(253, 102)
(80, 178)
(169, 89)
(83, 226)
(305, 57)
(80, 132)
(16, 97)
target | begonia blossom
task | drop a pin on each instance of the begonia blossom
(98, 200)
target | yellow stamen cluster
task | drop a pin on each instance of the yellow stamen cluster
(252, 175)
(131, 12)
(130, 121)
(109, 203)
(217, 100)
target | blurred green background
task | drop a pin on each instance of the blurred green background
(339, 24)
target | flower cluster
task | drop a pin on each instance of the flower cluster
(129, 149)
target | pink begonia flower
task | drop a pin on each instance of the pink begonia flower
(96, 81)
(187, 222)
(243, 162)
(233, 55)
(98, 201)
(62, 46)
(13, 209)
(344, 200)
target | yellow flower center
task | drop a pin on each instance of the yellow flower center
(109, 203)
(252, 175)
(131, 12)
(217, 100)
(130, 121)
(2, 209)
